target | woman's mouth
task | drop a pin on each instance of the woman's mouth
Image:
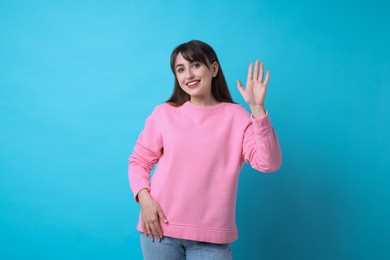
(193, 84)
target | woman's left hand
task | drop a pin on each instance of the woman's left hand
(255, 90)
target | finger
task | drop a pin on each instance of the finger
(161, 215)
(159, 233)
(148, 230)
(256, 72)
(267, 75)
(240, 87)
(144, 228)
(154, 230)
(261, 72)
(249, 78)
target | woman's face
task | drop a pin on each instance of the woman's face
(195, 79)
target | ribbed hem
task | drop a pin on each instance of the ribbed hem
(210, 235)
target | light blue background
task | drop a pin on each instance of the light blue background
(78, 79)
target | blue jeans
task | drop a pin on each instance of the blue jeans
(175, 249)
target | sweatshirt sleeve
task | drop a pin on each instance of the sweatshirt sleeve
(147, 152)
(261, 147)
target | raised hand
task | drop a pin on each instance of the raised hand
(255, 90)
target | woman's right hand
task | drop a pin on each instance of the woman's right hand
(151, 214)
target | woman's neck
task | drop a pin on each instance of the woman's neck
(203, 102)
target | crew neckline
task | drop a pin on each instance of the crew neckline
(217, 106)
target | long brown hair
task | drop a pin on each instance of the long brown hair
(202, 52)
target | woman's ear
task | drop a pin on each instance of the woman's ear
(214, 68)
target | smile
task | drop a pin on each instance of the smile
(193, 84)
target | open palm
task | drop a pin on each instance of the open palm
(255, 90)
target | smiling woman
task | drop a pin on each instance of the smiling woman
(194, 78)
(200, 139)
(190, 62)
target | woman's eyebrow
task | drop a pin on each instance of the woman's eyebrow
(177, 65)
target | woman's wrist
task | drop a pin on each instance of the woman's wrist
(143, 195)
(257, 111)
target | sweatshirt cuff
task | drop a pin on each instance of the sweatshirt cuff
(261, 123)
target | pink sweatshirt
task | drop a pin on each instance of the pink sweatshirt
(200, 151)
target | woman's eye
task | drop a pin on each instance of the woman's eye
(196, 65)
(180, 70)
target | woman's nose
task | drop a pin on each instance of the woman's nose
(189, 74)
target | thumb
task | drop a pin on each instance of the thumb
(240, 88)
(161, 215)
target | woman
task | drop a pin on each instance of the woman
(200, 139)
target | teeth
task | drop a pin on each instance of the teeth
(192, 83)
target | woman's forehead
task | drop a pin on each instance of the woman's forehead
(188, 57)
